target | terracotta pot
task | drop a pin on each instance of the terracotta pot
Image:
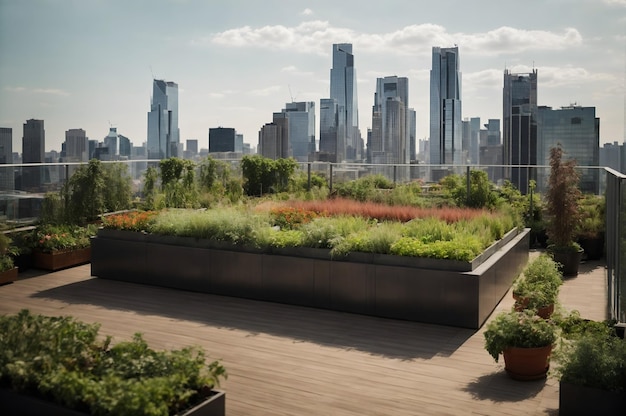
(527, 364)
(8, 276)
(521, 303)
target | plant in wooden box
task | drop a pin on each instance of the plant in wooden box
(591, 229)
(525, 340)
(538, 287)
(64, 361)
(8, 271)
(591, 368)
(562, 209)
(59, 246)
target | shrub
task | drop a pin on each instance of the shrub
(262, 175)
(50, 238)
(132, 221)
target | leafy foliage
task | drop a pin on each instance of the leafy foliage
(49, 238)
(262, 175)
(66, 361)
(562, 200)
(540, 282)
(132, 221)
(518, 329)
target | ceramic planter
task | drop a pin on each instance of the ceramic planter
(526, 364)
(19, 404)
(570, 260)
(521, 303)
(61, 259)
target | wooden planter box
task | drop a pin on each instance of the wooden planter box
(19, 404)
(8, 276)
(575, 400)
(434, 291)
(61, 259)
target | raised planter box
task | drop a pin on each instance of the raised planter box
(8, 276)
(424, 290)
(577, 400)
(14, 403)
(61, 259)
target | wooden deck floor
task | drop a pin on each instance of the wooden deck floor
(286, 360)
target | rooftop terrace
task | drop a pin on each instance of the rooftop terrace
(289, 360)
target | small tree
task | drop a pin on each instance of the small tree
(562, 201)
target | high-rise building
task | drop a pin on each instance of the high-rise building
(611, 156)
(446, 129)
(301, 116)
(577, 129)
(471, 141)
(343, 89)
(7, 177)
(328, 129)
(222, 139)
(163, 132)
(76, 146)
(274, 138)
(389, 141)
(125, 146)
(519, 115)
(493, 132)
(412, 135)
(33, 151)
(491, 150)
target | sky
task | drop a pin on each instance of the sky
(90, 63)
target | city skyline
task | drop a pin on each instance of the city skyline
(90, 65)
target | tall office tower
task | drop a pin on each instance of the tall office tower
(471, 141)
(191, 148)
(33, 145)
(611, 156)
(111, 142)
(412, 135)
(446, 129)
(343, 89)
(222, 139)
(124, 146)
(163, 133)
(76, 146)
(578, 131)
(390, 141)
(328, 130)
(7, 177)
(301, 117)
(519, 116)
(274, 138)
(493, 132)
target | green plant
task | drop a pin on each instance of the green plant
(518, 329)
(262, 175)
(178, 183)
(562, 201)
(592, 212)
(66, 360)
(49, 238)
(594, 359)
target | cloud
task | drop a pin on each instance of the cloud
(552, 77)
(315, 36)
(264, 92)
(48, 91)
(616, 2)
(307, 12)
(291, 69)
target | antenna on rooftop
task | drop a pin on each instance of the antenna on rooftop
(293, 99)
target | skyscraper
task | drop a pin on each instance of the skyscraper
(274, 138)
(343, 89)
(519, 116)
(111, 142)
(471, 141)
(578, 130)
(445, 107)
(389, 140)
(328, 129)
(222, 139)
(301, 117)
(76, 146)
(33, 145)
(163, 133)
(7, 178)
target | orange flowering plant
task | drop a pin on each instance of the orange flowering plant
(131, 221)
(50, 238)
(292, 217)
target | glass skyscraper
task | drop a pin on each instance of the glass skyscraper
(163, 133)
(343, 90)
(519, 111)
(301, 117)
(446, 130)
(389, 140)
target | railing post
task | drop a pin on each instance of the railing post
(467, 184)
(330, 179)
(395, 173)
(308, 185)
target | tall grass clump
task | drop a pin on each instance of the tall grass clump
(378, 238)
(326, 232)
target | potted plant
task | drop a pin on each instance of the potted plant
(563, 213)
(56, 247)
(525, 340)
(82, 372)
(591, 229)
(591, 368)
(8, 271)
(538, 287)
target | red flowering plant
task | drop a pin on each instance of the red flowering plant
(290, 218)
(131, 221)
(49, 238)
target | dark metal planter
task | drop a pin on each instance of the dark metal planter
(16, 404)
(575, 400)
(388, 286)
